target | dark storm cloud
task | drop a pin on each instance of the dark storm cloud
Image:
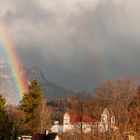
(73, 40)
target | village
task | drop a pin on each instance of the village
(110, 113)
(73, 124)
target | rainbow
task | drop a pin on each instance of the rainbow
(14, 62)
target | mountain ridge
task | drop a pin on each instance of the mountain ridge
(50, 90)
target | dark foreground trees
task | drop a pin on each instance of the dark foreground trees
(31, 116)
(30, 101)
(33, 106)
(2, 117)
(6, 125)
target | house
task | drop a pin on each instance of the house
(73, 122)
(52, 136)
(57, 128)
(49, 136)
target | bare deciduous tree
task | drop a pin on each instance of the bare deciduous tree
(43, 119)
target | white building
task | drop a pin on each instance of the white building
(72, 123)
(56, 128)
(66, 123)
(107, 121)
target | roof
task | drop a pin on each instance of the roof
(83, 118)
(51, 136)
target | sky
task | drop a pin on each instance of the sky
(78, 44)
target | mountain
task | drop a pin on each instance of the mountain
(9, 91)
(51, 90)
(7, 85)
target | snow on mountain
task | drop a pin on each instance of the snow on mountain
(8, 88)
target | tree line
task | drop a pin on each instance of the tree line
(121, 97)
(34, 114)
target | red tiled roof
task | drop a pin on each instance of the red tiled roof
(83, 118)
(87, 118)
(74, 118)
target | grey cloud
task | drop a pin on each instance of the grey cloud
(72, 40)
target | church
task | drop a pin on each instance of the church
(74, 123)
